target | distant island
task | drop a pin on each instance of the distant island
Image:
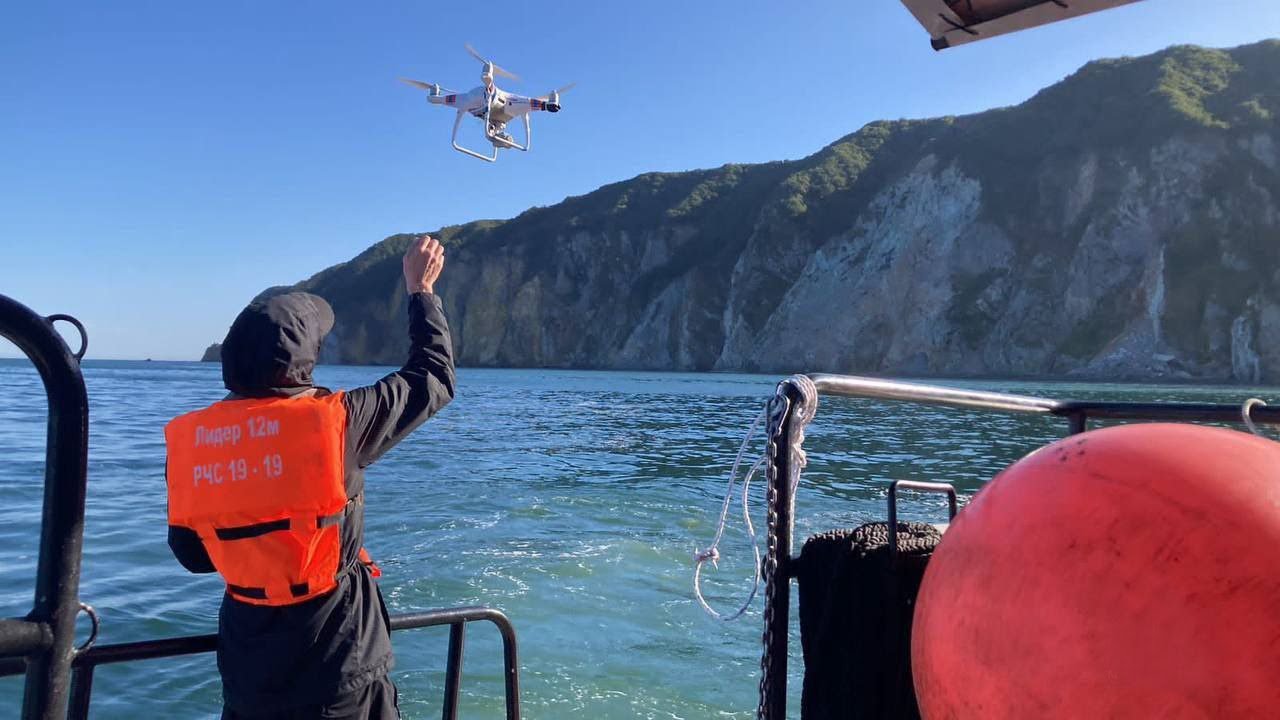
(213, 353)
(1123, 223)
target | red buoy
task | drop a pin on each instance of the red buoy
(1130, 572)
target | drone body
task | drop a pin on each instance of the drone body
(493, 106)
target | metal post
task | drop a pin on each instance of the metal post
(1078, 422)
(61, 531)
(511, 665)
(453, 671)
(81, 691)
(928, 487)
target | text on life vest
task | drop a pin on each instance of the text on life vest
(269, 465)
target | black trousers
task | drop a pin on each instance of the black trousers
(376, 701)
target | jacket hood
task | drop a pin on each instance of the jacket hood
(274, 344)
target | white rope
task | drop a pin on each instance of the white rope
(712, 553)
(806, 409)
(804, 413)
(1246, 412)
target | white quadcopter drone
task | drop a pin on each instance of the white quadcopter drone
(493, 106)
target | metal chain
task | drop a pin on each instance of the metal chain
(763, 711)
(781, 407)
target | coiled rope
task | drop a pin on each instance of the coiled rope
(774, 411)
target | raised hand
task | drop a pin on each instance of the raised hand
(423, 261)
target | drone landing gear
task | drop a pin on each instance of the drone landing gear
(488, 158)
(496, 134)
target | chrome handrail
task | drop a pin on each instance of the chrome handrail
(865, 387)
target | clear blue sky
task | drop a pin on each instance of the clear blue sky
(161, 162)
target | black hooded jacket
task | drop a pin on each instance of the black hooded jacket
(277, 658)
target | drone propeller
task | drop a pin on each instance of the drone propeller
(496, 70)
(432, 88)
(556, 93)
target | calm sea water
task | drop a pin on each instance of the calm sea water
(570, 500)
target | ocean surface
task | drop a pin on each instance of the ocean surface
(572, 501)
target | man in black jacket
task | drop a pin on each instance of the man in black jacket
(328, 656)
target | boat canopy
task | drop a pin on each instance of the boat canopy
(956, 22)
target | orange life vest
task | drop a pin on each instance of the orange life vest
(261, 481)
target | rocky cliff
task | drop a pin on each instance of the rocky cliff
(1122, 223)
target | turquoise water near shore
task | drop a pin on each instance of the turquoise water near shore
(570, 500)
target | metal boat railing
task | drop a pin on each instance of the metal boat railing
(779, 540)
(41, 645)
(83, 665)
(45, 636)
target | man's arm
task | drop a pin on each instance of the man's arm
(383, 414)
(189, 549)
